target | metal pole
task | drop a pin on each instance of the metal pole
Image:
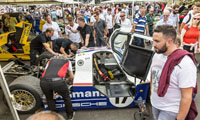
(78, 3)
(132, 11)
(9, 98)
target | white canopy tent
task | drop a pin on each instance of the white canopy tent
(20, 2)
(71, 2)
(92, 2)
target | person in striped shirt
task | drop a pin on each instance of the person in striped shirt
(140, 26)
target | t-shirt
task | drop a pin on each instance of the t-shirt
(92, 19)
(99, 27)
(184, 75)
(53, 15)
(126, 22)
(150, 21)
(56, 28)
(174, 18)
(86, 30)
(74, 37)
(192, 34)
(140, 22)
(188, 17)
(109, 21)
(102, 16)
(162, 22)
(64, 43)
(37, 42)
(117, 18)
(88, 14)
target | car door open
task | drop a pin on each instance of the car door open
(111, 69)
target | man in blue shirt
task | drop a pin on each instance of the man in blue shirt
(165, 19)
(140, 26)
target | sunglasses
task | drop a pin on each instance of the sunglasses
(165, 15)
(122, 16)
(196, 18)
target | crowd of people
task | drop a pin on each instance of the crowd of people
(90, 26)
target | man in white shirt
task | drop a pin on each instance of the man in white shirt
(101, 14)
(109, 21)
(124, 21)
(54, 25)
(174, 102)
(74, 37)
(117, 16)
(88, 14)
(174, 16)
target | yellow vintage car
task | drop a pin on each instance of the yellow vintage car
(15, 44)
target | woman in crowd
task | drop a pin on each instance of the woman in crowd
(190, 36)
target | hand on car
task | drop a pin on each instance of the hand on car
(56, 54)
(84, 47)
(67, 56)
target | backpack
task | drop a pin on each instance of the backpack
(117, 25)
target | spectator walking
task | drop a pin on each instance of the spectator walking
(140, 26)
(150, 20)
(190, 35)
(174, 16)
(100, 31)
(165, 19)
(109, 22)
(188, 18)
(174, 78)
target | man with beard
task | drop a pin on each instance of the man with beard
(174, 16)
(173, 77)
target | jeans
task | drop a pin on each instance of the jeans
(101, 41)
(110, 32)
(151, 33)
(59, 86)
(139, 41)
(163, 115)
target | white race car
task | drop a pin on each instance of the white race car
(104, 78)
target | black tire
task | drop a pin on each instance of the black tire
(27, 92)
(44, 56)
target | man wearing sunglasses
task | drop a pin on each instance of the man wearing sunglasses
(165, 19)
(124, 21)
